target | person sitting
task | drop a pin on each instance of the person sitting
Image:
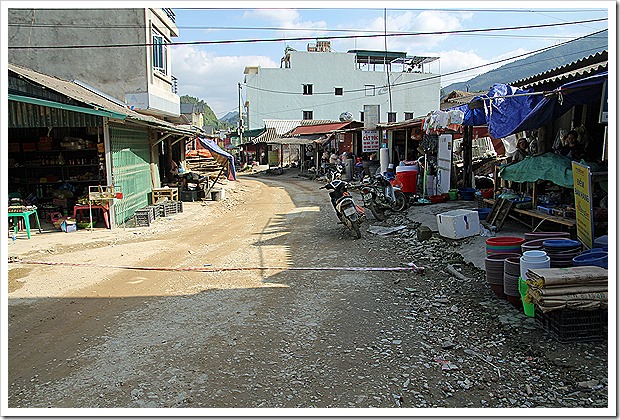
(522, 150)
(572, 149)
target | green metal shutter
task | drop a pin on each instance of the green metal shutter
(130, 169)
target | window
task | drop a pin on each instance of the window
(307, 89)
(160, 53)
(307, 115)
(362, 116)
(370, 90)
(408, 115)
(338, 91)
(391, 117)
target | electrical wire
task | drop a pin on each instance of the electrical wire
(435, 76)
(240, 41)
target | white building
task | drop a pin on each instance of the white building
(320, 84)
(121, 52)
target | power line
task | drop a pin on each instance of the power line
(464, 31)
(437, 76)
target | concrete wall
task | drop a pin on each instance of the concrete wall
(114, 71)
(326, 71)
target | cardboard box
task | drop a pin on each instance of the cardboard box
(457, 224)
(68, 226)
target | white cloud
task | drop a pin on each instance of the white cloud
(212, 78)
(456, 61)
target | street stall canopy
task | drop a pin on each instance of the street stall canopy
(222, 157)
(507, 110)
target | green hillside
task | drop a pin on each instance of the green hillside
(209, 116)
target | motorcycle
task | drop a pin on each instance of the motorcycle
(379, 195)
(349, 213)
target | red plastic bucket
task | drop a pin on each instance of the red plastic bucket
(408, 181)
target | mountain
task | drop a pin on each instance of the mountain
(231, 118)
(533, 64)
(210, 120)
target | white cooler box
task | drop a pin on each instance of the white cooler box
(457, 224)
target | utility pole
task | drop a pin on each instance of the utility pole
(240, 128)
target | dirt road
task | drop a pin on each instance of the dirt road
(98, 337)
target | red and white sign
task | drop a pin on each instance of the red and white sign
(370, 140)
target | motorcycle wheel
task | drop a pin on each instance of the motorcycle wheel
(355, 228)
(378, 213)
(401, 201)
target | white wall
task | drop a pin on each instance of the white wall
(325, 71)
(114, 71)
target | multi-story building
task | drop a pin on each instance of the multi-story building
(322, 85)
(120, 52)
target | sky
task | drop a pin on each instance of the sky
(212, 72)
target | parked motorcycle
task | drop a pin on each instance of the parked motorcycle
(349, 213)
(379, 195)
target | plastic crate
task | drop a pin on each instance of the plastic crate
(570, 325)
(144, 216)
(179, 206)
(188, 196)
(169, 207)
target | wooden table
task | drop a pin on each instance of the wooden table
(164, 193)
(535, 214)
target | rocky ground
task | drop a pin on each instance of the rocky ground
(285, 338)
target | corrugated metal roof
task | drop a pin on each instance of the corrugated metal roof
(81, 94)
(319, 128)
(402, 124)
(578, 69)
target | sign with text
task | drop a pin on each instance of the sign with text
(370, 140)
(582, 179)
(371, 116)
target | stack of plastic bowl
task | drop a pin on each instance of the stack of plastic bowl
(504, 244)
(494, 267)
(511, 280)
(530, 260)
(530, 236)
(533, 259)
(595, 256)
(562, 251)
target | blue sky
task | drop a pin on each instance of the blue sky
(212, 72)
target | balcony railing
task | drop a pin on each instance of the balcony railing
(170, 14)
(175, 85)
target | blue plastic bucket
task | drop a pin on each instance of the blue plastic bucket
(467, 193)
(594, 257)
(600, 242)
(483, 213)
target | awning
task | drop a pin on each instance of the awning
(507, 110)
(222, 157)
(67, 107)
(319, 128)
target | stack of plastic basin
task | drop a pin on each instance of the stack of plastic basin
(511, 280)
(562, 251)
(494, 267)
(595, 256)
(530, 236)
(503, 244)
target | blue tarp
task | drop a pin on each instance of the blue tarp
(579, 92)
(223, 158)
(506, 116)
